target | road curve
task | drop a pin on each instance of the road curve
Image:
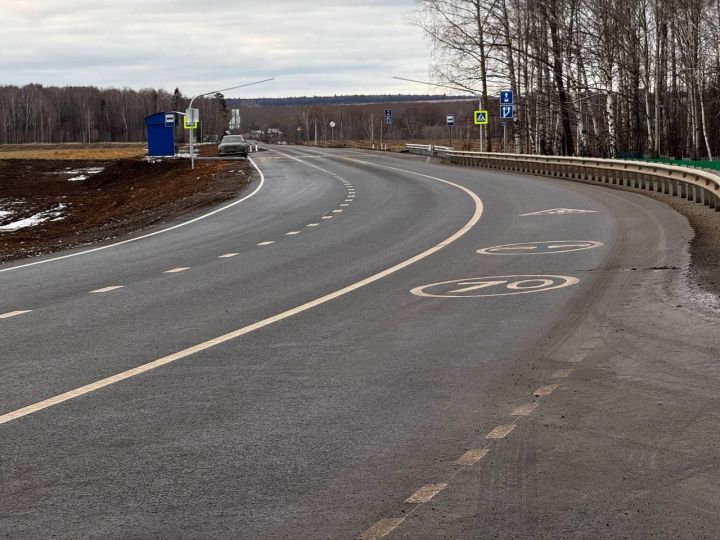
(371, 345)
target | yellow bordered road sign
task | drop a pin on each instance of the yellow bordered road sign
(481, 117)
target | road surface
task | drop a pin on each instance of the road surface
(368, 345)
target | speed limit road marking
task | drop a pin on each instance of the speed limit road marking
(494, 286)
(540, 248)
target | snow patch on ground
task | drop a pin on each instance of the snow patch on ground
(78, 175)
(54, 214)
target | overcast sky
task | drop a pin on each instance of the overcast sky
(319, 47)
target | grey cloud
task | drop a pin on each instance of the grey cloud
(319, 47)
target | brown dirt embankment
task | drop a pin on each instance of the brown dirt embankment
(126, 196)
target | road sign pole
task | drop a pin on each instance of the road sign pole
(480, 126)
(504, 136)
(192, 154)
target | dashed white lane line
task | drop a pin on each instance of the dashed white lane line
(107, 289)
(345, 204)
(214, 342)
(292, 233)
(312, 224)
(381, 529)
(562, 373)
(425, 493)
(228, 255)
(154, 233)
(337, 211)
(545, 390)
(14, 313)
(500, 432)
(327, 217)
(176, 270)
(472, 456)
(266, 243)
(526, 409)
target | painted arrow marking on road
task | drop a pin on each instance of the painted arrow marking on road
(559, 211)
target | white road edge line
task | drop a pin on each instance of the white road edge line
(144, 368)
(155, 233)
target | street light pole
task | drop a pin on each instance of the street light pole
(192, 130)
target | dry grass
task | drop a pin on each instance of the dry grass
(73, 151)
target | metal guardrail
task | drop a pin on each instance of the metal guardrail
(695, 185)
(427, 149)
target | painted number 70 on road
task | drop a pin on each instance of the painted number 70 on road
(494, 286)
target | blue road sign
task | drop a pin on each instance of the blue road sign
(388, 120)
(506, 97)
(506, 111)
(450, 119)
(388, 113)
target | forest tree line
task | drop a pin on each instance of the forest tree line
(51, 114)
(591, 77)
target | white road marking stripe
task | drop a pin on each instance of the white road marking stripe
(500, 432)
(472, 456)
(228, 255)
(183, 224)
(14, 313)
(266, 243)
(327, 217)
(107, 289)
(525, 410)
(292, 233)
(425, 493)
(545, 390)
(381, 529)
(144, 368)
(312, 224)
(176, 270)
(562, 373)
(344, 205)
(337, 211)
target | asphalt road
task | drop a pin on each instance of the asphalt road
(304, 363)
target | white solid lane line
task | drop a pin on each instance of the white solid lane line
(228, 255)
(107, 289)
(155, 233)
(176, 270)
(14, 313)
(266, 243)
(174, 357)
